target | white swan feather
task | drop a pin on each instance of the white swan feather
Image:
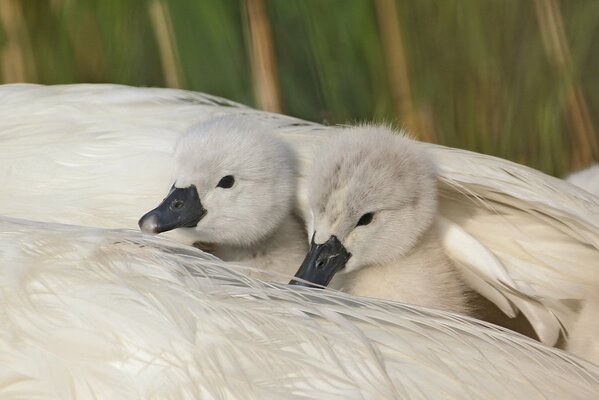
(116, 314)
(587, 178)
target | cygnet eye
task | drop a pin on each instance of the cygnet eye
(226, 182)
(365, 219)
(177, 204)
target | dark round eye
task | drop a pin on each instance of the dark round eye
(226, 182)
(177, 204)
(365, 219)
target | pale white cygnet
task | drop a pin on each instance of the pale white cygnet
(373, 200)
(234, 195)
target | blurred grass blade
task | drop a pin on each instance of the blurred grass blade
(262, 58)
(397, 66)
(163, 29)
(479, 75)
(17, 60)
(557, 49)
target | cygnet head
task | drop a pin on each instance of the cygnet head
(234, 184)
(372, 194)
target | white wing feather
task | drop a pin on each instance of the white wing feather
(104, 153)
(453, 237)
(543, 231)
(113, 314)
(588, 179)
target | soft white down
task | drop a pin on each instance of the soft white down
(376, 193)
(113, 314)
(242, 181)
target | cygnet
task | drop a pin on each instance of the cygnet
(234, 195)
(373, 200)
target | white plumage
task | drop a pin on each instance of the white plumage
(104, 151)
(587, 178)
(582, 340)
(113, 314)
(525, 240)
(373, 201)
(234, 194)
(540, 231)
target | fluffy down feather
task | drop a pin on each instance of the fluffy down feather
(253, 221)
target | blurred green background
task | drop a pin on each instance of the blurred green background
(513, 78)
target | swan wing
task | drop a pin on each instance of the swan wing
(104, 151)
(588, 179)
(531, 237)
(115, 314)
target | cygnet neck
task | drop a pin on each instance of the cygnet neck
(425, 277)
(280, 252)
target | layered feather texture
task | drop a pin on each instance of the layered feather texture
(587, 178)
(96, 155)
(539, 230)
(114, 314)
(100, 155)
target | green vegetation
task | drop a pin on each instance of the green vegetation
(514, 78)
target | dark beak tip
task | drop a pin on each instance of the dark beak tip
(322, 262)
(149, 223)
(166, 217)
(140, 223)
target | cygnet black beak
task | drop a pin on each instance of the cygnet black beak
(180, 209)
(322, 262)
